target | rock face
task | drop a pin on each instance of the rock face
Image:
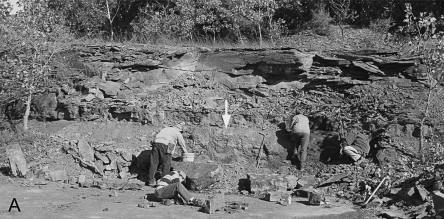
(199, 175)
(158, 87)
(226, 145)
(120, 77)
(17, 161)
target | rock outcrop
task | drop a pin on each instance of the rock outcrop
(159, 86)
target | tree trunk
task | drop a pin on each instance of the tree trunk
(214, 37)
(239, 35)
(270, 25)
(110, 21)
(27, 111)
(260, 34)
(421, 125)
(342, 29)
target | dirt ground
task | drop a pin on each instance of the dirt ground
(56, 200)
(39, 198)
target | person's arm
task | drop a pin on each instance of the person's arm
(181, 142)
(346, 140)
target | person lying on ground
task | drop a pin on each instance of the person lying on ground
(170, 187)
(355, 145)
(164, 146)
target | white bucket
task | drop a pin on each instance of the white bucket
(188, 157)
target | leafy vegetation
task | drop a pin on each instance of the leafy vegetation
(25, 52)
(222, 20)
(428, 44)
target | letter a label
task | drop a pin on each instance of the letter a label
(14, 205)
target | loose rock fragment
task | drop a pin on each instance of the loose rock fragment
(314, 198)
(17, 161)
(101, 157)
(85, 151)
(199, 175)
(273, 196)
(438, 201)
(271, 182)
(215, 203)
(58, 175)
(306, 181)
(422, 193)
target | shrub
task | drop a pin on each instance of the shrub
(381, 25)
(276, 30)
(320, 22)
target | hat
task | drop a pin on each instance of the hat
(180, 126)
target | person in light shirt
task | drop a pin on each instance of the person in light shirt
(299, 128)
(164, 146)
(170, 187)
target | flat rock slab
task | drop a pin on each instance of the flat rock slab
(331, 61)
(85, 150)
(270, 182)
(109, 88)
(393, 214)
(199, 175)
(17, 161)
(226, 61)
(438, 200)
(58, 175)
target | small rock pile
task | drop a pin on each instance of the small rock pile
(102, 159)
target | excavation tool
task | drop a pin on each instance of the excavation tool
(260, 149)
(374, 191)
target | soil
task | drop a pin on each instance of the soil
(55, 200)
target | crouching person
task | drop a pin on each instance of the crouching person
(298, 126)
(355, 145)
(170, 187)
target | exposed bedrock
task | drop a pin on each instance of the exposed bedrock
(160, 86)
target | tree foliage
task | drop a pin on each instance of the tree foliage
(25, 51)
(341, 12)
(232, 20)
(88, 17)
(430, 46)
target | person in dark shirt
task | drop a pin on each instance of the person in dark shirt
(355, 145)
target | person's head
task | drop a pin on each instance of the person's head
(180, 126)
(297, 112)
(182, 175)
